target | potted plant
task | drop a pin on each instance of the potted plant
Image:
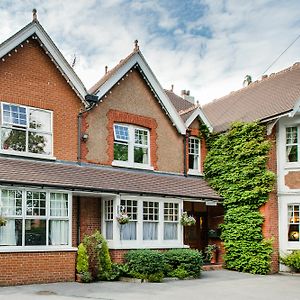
(212, 233)
(123, 218)
(186, 220)
(211, 252)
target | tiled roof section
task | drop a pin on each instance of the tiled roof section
(179, 103)
(269, 97)
(105, 179)
(110, 73)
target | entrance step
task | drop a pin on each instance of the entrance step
(212, 267)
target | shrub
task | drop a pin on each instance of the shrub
(82, 265)
(156, 277)
(144, 263)
(86, 277)
(100, 265)
(179, 260)
(292, 260)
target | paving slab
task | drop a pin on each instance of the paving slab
(213, 285)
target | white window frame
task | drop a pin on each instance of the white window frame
(140, 243)
(196, 171)
(293, 144)
(27, 129)
(293, 223)
(131, 144)
(47, 218)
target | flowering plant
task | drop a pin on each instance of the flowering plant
(186, 220)
(123, 218)
(3, 221)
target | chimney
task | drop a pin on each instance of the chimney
(186, 96)
(106, 70)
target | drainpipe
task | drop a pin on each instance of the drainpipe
(78, 220)
(185, 138)
(93, 101)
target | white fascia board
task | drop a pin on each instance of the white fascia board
(36, 28)
(295, 109)
(198, 113)
(138, 59)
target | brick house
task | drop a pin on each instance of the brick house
(71, 162)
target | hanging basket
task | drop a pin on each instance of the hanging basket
(186, 220)
(123, 218)
(3, 221)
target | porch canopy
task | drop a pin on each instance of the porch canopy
(94, 178)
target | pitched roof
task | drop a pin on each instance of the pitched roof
(102, 179)
(179, 103)
(271, 96)
(34, 30)
(137, 60)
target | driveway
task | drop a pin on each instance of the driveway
(213, 285)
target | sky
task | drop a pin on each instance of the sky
(205, 46)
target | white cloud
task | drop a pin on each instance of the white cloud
(204, 46)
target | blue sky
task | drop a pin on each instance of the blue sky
(205, 46)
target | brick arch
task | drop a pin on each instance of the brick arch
(115, 116)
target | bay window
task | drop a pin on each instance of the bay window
(131, 146)
(171, 218)
(128, 231)
(34, 218)
(194, 155)
(150, 220)
(108, 218)
(25, 130)
(292, 144)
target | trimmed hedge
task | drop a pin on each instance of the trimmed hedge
(292, 260)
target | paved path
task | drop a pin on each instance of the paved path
(214, 285)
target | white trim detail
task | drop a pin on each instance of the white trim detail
(199, 113)
(138, 58)
(56, 56)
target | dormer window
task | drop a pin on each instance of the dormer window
(194, 156)
(25, 130)
(131, 146)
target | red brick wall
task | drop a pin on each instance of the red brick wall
(115, 116)
(270, 209)
(90, 215)
(41, 267)
(30, 78)
(117, 256)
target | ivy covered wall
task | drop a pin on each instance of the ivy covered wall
(236, 167)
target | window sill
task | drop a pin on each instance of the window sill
(125, 164)
(194, 172)
(8, 249)
(24, 154)
(134, 244)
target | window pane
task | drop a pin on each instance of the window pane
(292, 153)
(35, 203)
(35, 232)
(11, 233)
(14, 115)
(128, 231)
(121, 152)
(40, 120)
(141, 155)
(130, 207)
(40, 143)
(58, 232)
(170, 231)
(141, 137)
(121, 133)
(108, 210)
(150, 230)
(109, 230)
(58, 204)
(13, 139)
(291, 135)
(11, 202)
(293, 233)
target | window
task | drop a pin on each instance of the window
(34, 218)
(128, 231)
(131, 145)
(25, 130)
(150, 220)
(171, 217)
(108, 218)
(292, 144)
(194, 154)
(293, 222)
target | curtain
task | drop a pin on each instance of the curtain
(59, 232)
(170, 231)
(150, 231)
(59, 229)
(109, 230)
(8, 234)
(128, 231)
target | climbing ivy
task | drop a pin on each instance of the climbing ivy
(236, 167)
